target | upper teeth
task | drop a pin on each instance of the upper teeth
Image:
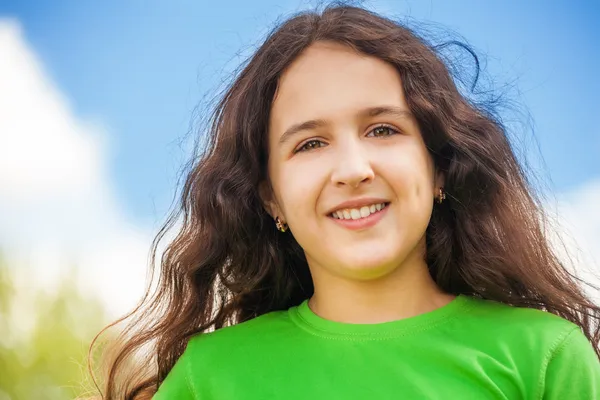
(356, 213)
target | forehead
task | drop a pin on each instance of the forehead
(329, 80)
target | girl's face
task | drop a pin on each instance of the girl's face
(348, 168)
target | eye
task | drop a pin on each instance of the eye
(310, 145)
(382, 131)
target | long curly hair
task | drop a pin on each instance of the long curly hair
(228, 263)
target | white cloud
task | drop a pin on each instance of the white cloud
(57, 204)
(578, 215)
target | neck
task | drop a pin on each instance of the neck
(407, 291)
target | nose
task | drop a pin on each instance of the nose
(353, 166)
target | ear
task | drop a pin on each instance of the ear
(440, 179)
(268, 199)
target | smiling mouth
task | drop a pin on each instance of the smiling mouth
(358, 213)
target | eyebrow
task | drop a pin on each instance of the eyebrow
(391, 111)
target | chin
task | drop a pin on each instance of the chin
(368, 267)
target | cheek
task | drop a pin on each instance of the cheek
(299, 187)
(410, 176)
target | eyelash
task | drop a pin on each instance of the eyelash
(303, 147)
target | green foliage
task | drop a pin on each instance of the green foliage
(48, 358)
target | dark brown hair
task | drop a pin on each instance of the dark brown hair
(228, 263)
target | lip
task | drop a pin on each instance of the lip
(357, 203)
(362, 223)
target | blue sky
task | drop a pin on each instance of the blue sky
(139, 68)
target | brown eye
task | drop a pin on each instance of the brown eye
(310, 145)
(382, 130)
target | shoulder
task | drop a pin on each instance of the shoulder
(242, 338)
(544, 347)
(214, 357)
(533, 330)
(268, 324)
(523, 319)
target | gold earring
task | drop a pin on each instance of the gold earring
(440, 196)
(281, 226)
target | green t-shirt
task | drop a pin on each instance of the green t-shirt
(467, 349)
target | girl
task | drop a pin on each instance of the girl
(357, 229)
